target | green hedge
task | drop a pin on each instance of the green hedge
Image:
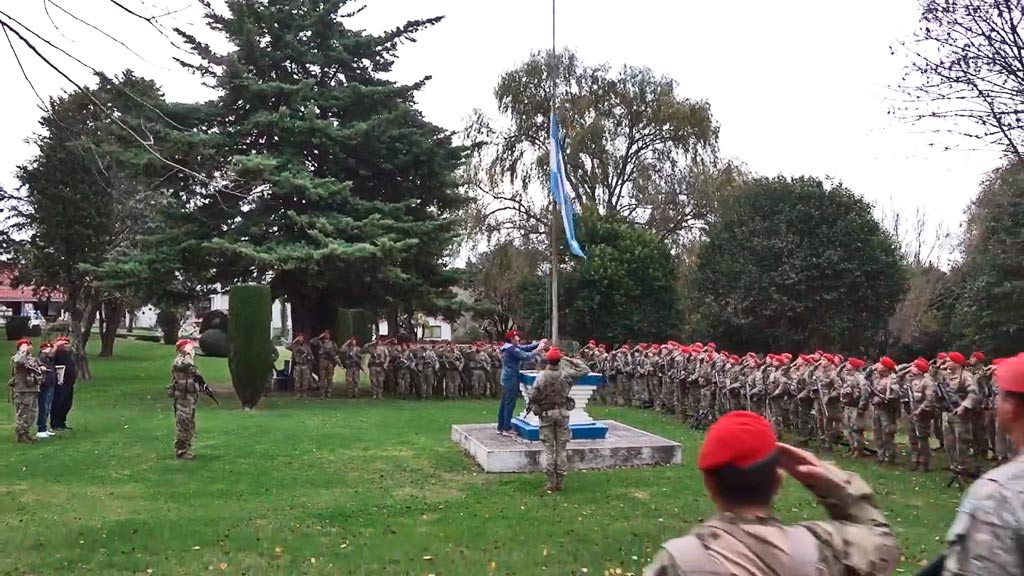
(343, 331)
(16, 327)
(216, 320)
(215, 344)
(362, 326)
(251, 350)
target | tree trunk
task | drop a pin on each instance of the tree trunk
(392, 319)
(284, 318)
(113, 312)
(81, 305)
(131, 321)
(312, 314)
(170, 327)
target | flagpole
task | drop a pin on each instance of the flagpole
(554, 204)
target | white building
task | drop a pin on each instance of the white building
(428, 328)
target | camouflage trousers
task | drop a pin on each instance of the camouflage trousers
(832, 418)
(884, 423)
(352, 381)
(779, 407)
(377, 379)
(26, 412)
(960, 438)
(452, 383)
(184, 421)
(919, 430)
(624, 390)
(554, 436)
(640, 396)
(734, 401)
(806, 422)
(404, 382)
(478, 381)
(855, 420)
(326, 376)
(707, 399)
(426, 384)
(301, 376)
(757, 405)
(682, 399)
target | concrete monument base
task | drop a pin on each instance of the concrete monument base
(624, 446)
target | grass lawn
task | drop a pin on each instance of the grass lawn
(348, 487)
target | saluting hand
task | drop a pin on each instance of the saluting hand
(805, 468)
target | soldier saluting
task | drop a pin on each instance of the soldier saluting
(26, 375)
(186, 383)
(550, 401)
(742, 465)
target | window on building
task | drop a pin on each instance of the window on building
(432, 333)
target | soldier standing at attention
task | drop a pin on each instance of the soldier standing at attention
(302, 364)
(743, 469)
(26, 375)
(353, 362)
(378, 369)
(985, 537)
(854, 396)
(966, 419)
(327, 359)
(922, 410)
(886, 405)
(184, 390)
(453, 364)
(549, 402)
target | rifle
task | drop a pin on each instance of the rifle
(909, 399)
(205, 388)
(950, 401)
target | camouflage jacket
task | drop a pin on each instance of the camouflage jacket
(857, 541)
(352, 357)
(985, 537)
(25, 375)
(302, 354)
(325, 348)
(554, 382)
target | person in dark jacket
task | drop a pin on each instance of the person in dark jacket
(64, 393)
(513, 354)
(46, 389)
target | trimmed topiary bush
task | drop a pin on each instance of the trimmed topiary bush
(362, 326)
(16, 327)
(251, 359)
(344, 330)
(215, 320)
(214, 343)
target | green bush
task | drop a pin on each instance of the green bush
(251, 358)
(35, 331)
(16, 327)
(57, 328)
(214, 343)
(215, 320)
(344, 330)
(362, 325)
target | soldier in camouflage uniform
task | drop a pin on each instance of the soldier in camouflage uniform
(184, 390)
(548, 401)
(742, 464)
(965, 421)
(734, 385)
(428, 370)
(624, 376)
(404, 372)
(885, 404)
(352, 360)
(379, 357)
(985, 536)
(1003, 445)
(755, 387)
(921, 409)
(478, 365)
(302, 364)
(452, 364)
(856, 399)
(391, 379)
(492, 363)
(327, 358)
(641, 372)
(26, 376)
(780, 395)
(681, 381)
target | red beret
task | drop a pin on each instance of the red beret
(887, 363)
(511, 334)
(829, 358)
(23, 342)
(921, 365)
(711, 345)
(183, 342)
(45, 345)
(998, 361)
(942, 356)
(684, 349)
(787, 356)
(978, 356)
(734, 359)
(655, 347)
(1009, 375)
(856, 363)
(553, 355)
(601, 347)
(63, 340)
(592, 343)
(642, 346)
(625, 347)
(958, 358)
(738, 438)
(697, 346)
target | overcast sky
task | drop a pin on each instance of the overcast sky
(798, 86)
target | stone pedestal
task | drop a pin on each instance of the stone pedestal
(623, 446)
(581, 424)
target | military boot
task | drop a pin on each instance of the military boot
(25, 439)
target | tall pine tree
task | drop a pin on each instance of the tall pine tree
(332, 185)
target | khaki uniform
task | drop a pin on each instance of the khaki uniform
(985, 536)
(404, 372)
(641, 374)
(302, 366)
(428, 370)
(922, 410)
(549, 394)
(886, 405)
(832, 407)
(964, 431)
(25, 380)
(378, 371)
(857, 541)
(780, 399)
(854, 397)
(184, 390)
(327, 358)
(353, 362)
(477, 363)
(452, 363)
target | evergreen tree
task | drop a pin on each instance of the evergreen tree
(335, 188)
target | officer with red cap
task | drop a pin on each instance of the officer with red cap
(966, 422)
(855, 395)
(885, 402)
(550, 402)
(743, 468)
(986, 534)
(923, 409)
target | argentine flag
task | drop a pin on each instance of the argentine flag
(561, 189)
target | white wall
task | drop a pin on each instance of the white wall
(220, 302)
(446, 329)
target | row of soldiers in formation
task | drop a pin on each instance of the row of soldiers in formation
(819, 396)
(404, 370)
